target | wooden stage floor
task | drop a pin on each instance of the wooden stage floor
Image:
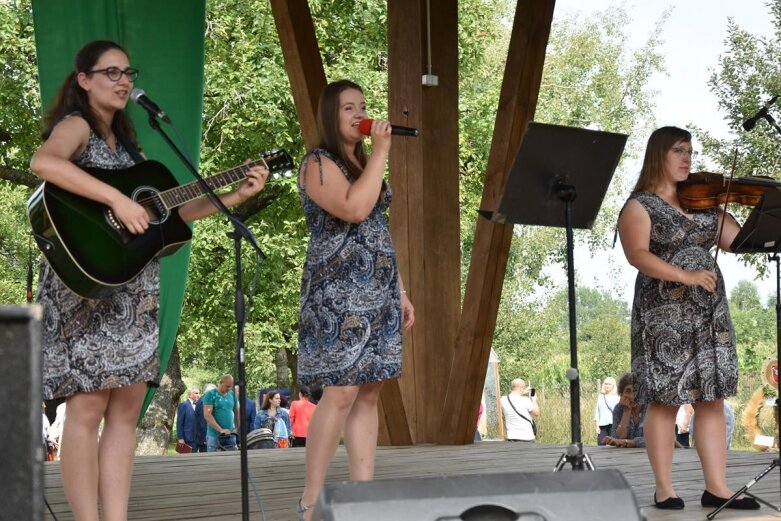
(207, 486)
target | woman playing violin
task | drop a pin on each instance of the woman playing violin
(683, 342)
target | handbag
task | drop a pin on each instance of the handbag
(534, 425)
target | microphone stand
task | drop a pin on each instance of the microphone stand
(240, 231)
(772, 122)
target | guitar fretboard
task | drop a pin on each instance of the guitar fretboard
(183, 194)
(186, 193)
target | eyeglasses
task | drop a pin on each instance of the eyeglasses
(680, 151)
(115, 73)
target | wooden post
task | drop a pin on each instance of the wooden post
(517, 102)
(425, 212)
(302, 61)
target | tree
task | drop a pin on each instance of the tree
(748, 73)
(755, 326)
(19, 127)
(533, 339)
(592, 78)
(745, 296)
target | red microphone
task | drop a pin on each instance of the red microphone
(365, 128)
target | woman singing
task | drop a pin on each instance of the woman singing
(683, 342)
(353, 303)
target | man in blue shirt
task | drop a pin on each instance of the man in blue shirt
(221, 411)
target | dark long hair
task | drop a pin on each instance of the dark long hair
(267, 400)
(661, 140)
(328, 125)
(72, 98)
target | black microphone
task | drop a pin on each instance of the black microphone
(138, 96)
(752, 121)
(365, 127)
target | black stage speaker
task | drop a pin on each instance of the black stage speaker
(531, 496)
(21, 458)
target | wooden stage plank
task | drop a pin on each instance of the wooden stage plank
(206, 487)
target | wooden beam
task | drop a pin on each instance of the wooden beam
(425, 212)
(302, 61)
(517, 103)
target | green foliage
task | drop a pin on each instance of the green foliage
(533, 341)
(20, 112)
(748, 73)
(19, 127)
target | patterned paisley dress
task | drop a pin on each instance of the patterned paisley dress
(89, 345)
(683, 342)
(350, 322)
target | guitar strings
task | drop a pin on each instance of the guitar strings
(150, 202)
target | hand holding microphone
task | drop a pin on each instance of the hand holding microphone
(365, 128)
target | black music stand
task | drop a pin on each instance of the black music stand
(762, 234)
(555, 165)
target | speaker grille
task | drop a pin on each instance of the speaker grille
(533, 496)
(21, 459)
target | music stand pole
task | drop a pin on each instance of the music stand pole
(574, 454)
(761, 233)
(554, 164)
(776, 461)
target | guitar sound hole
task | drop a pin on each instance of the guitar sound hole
(149, 198)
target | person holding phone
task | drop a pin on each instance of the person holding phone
(519, 411)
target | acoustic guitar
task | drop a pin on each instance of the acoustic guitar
(88, 247)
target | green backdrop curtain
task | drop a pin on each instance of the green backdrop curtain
(165, 42)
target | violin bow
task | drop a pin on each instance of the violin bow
(726, 202)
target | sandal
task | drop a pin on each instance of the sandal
(300, 509)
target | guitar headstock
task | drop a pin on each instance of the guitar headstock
(279, 163)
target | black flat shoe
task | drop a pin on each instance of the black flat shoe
(745, 503)
(671, 503)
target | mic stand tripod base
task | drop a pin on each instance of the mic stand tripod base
(776, 461)
(575, 456)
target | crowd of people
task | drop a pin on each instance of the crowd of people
(211, 422)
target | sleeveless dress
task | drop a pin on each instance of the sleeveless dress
(350, 321)
(89, 345)
(683, 342)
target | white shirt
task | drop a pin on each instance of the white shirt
(604, 409)
(517, 427)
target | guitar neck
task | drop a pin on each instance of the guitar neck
(180, 195)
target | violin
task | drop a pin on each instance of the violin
(703, 190)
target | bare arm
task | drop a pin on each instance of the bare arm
(535, 410)
(203, 207)
(350, 202)
(634, 227)
(52, 163)
(729, 232)
(209, 417)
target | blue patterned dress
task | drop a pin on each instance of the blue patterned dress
(89, 345)
(683, 342)
(350, 322)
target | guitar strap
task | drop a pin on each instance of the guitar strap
(131, 149)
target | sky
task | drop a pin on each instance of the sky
(693, 38)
